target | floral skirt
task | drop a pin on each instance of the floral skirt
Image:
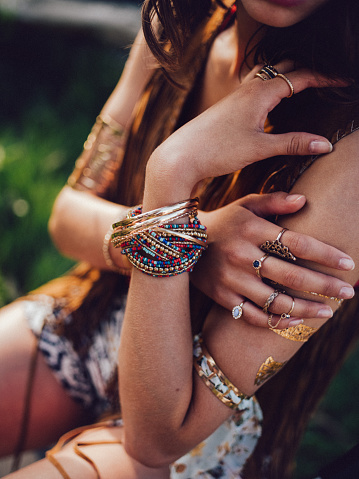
(221, 455)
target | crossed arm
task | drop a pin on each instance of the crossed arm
(166, 407)
(156, 374)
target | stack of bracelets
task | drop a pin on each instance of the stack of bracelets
(157, 247)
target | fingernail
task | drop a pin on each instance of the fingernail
(295, 322)
(294, 198)
(320, 146)
(346, 292)
(325, 313)
(347, 264)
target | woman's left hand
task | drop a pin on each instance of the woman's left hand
(226, 274)
(229, 136)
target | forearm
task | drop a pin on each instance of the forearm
(78, 224)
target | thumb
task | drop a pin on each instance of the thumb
(272, 204)
(300, 144)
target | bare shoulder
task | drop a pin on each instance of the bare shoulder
(138, 69)
(331, 188)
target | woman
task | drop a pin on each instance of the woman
(170, 425)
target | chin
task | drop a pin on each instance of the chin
(280, 13)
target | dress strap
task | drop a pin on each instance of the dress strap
(342, 133)
(50, 455)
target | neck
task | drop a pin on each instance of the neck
(246, 28)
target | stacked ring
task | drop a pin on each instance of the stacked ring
(288, 82)
(262, 76)
(268, 71)
(287, 315)
(257, 264)
(270, 300)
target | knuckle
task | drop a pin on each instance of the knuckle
(295, 145)
(298, 244)
(233, 256)
(308, 310)
(293, 279)
(249, 227)
(328, 288)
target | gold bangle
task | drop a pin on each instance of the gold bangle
(107, 257)
(189, 204)
(214, 378)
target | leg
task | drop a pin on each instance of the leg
(52, 410)
(111, 460)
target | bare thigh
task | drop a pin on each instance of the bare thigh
(52, 410)
(111, 460)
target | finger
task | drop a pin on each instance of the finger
(253, 315)
(294, 143)
(280, 303)
(299, 80)
(272, 204)
(302, 279)
(311, 249)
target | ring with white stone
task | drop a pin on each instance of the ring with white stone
(237, 311)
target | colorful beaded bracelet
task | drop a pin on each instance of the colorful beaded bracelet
(161, 249)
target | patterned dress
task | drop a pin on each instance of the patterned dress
(222, 455)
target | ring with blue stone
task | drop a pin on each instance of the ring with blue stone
(257, 264)
(237, 311)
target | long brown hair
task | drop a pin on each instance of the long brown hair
(326, 41)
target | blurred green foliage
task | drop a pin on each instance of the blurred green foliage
(53, 84)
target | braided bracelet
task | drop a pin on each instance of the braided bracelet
(214, 378)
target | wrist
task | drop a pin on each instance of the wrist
(167, 181)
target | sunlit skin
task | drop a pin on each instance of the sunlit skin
(278, 13)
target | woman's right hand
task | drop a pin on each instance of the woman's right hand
(226, 274)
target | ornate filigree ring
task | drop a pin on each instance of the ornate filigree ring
(277, 248)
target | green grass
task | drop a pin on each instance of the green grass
(53, 85)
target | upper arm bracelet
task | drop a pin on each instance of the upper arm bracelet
(214, 378)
